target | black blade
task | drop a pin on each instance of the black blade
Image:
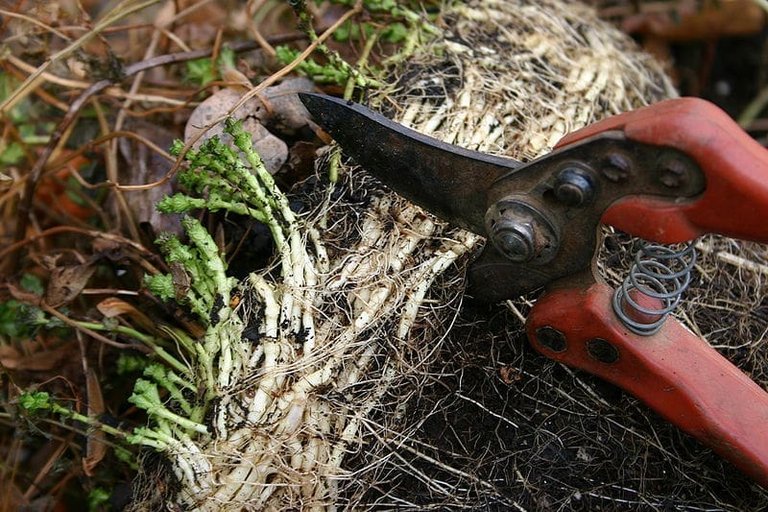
(449, 181)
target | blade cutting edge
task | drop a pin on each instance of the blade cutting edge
(448, 181)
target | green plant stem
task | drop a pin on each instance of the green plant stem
(91, 422)
(147, 340)
(335, 160)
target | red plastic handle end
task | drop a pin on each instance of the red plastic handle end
(673, 371)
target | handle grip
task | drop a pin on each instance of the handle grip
(674, 372)
(735, 201)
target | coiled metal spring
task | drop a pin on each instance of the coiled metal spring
(654, 286)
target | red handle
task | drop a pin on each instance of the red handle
(673, 371)
(735, 202)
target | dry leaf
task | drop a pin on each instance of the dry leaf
(146, 166)
(110, 249)
(233, 76)
(5, 182)
(37, 361)
(716, 19)
(165, 16)
(113, 307)
(95, 447)
(11, 497)
(9, 357)
(277, 107)
(273, 151)
(66, 283)
(181, 281)
(285, 113)
(22, 295)
(509, 375)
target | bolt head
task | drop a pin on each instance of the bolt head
(574, 187)
(520, 232)
(516, 242)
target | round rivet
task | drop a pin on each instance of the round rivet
(551, 338)
(616, 167)
(574, 187)
(602, 350)
(673, 173)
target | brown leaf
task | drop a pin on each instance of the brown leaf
(95, 448)
(113, 307)
(285, 113)
(509, 375)
(277, 107)
(22, 295)
(726, 18)
(110, 249)
(273, 151)
(144, 165)
(11, 497)
(9, 357)
(37, 361)
(181, 280)
(5, 182)
(66, 283)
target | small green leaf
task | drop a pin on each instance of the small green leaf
(177, 147)
(98, 498)
(35, 401)
(12, 154)
(285, 54)
(395, 33)
(19, 320)
(200, 71)
(128, 363)
(161, 285)
(226, 59)
(343, 33)
(126, 456)
(32, 283)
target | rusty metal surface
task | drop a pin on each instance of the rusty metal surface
(448, 181)
(551, 224)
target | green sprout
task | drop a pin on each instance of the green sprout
(35, 401)
(146, 396)
(128, 363)
(19, 320)
(98, 498)
(178, 387)
(330, 73)
(201, 72)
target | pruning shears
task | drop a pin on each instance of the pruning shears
(667, 173)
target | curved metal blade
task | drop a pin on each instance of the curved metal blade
(448, 181)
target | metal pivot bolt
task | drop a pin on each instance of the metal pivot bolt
(517, 242)
(574, 187)
(521, 232)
